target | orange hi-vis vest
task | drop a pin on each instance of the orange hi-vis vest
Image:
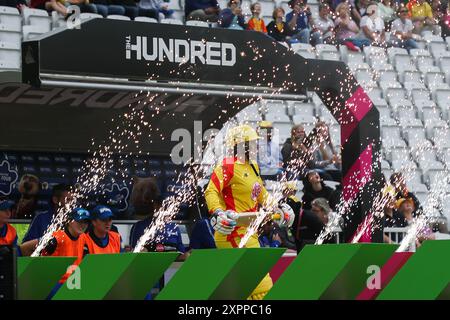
(10, 236)
(113, 245)
(68, 246)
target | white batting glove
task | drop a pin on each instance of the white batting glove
(284, 215)
(224, 222)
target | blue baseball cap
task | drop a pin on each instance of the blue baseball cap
(6, 205)
(79, 214)
(102, 212)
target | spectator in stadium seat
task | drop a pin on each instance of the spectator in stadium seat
(130, 6)
(61, 6)
(268, 236)
(289, 192)
(311, 223)
(347, 30)
(300, 20)
(392, 218)
(405, 207)
(269, 155)
(386, 11)
(401, 29)
(359, 10)
(19, 4)
(278, 28)
(324, 25)
(85, 5)
(313, 188)
(398, 181)
(61, 196)
(372, 27)
(295, 149)
(422, 17)
(275, 237)
(298, 158)
(325, 157)
(232, 17)
(155, 8)
(106, 8)
(203, 10)
(255, 23)
(49, 5)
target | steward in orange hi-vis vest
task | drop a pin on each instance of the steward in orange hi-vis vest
(8, 234)
(100, 239)
(70, 241)
(236, 187)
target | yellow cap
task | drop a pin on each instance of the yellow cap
(400, 201)
(240, 134)
(290, 185)
(265, 124)
(389, 190)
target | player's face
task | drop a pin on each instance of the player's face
(102, 225)
(79, 227)
(298, 133)
(235, 4)
(257, 9)
(4, 216)
(404, 14)
(314, 177)
(324, 12)
(320, 214)
(280, 14)
(406, 207)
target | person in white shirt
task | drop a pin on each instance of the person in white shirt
(324, 26)
(401, 29)
(386, 11)
(372, 27)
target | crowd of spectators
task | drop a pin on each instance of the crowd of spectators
(156, 9)
(354, 23)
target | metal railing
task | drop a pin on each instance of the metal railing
(395, 234)
(124, 227)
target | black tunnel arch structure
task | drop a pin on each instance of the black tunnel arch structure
(196, 73)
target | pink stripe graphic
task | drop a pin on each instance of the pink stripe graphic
(280, 267)
(387, 272)
(356, 107)
(358, 175)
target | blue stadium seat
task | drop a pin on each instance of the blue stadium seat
(29, 168)
(46, 170)
(141, 173)
(60, 159)
(44, 159)
(27, 158)
(62, 170)
(154, 163)
(76, 160)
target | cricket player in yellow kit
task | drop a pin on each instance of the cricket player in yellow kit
(236, 187)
